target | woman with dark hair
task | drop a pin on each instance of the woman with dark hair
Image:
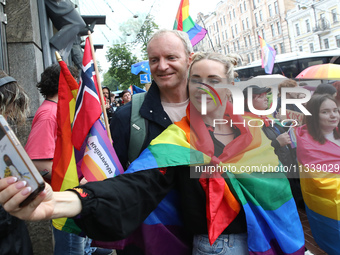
(318, 152)
(108, 103)
(14, 236)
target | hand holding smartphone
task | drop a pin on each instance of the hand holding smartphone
(14, 161)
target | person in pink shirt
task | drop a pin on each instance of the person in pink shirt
(41, 141)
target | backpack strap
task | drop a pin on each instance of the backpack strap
(137, 127)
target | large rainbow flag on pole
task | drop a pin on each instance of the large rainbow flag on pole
(64, 169)
(320, 186)
(267, 55)
(185, 23)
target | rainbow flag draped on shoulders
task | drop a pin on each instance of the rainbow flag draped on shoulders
(185, 23)
(267, 56)
(273, 222)
(320, 186)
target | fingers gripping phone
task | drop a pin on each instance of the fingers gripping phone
(14, 161)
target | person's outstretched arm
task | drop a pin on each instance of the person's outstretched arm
(105, 210)
(48, 205)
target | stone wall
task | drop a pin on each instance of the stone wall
(26, 65)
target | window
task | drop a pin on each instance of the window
(219, 41)
(279, 31)
(263, 35)
(245, 41)
(238, 44)
(226, 35)
(248, 57)
(270, 10)
(254, 2)
(276, 7)
(241, 8)
(337, 39)
(256, 20)
(323, 20)
(234, 46)
(234, 13)
(217, 26)
(228, 49)
(223, 36)
(247, 20)
(224, 19)
(243, 25)
(236, 30)
(252, 56)
(311, 47)
(282, 48)
(297, 28)
(326, 43)
(232, 31)
(273, 29)
(261, 16)
(334, 16)
(230, 15)
(300, 48)
(249, 39)
(275, 48)
(214, 27)
(245, 6)
(307, 26)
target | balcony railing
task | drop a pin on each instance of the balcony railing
(322, 25)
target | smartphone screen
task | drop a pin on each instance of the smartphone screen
(14, 161)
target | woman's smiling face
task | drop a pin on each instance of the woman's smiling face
(212, 73)
(328, 116)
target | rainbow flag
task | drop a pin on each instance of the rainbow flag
(267, 55)
(185, 23)
(273, 223)
(64, 169)
(99, 159)
(320, 186)
(96, 159)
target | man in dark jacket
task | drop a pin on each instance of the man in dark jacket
(169, 54)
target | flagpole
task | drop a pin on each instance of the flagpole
(57, 55)
(99, 87)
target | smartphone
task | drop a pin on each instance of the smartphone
(14, 161)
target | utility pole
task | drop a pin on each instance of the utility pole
(212, 46)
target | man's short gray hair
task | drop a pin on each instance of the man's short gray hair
(180, 34)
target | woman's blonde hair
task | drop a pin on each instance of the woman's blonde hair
(228, 61)
(14, 102)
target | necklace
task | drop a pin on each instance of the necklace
(223, 134)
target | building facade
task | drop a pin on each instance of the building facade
(286, 25)
(315, 26)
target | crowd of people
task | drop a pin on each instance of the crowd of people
(215, 212)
